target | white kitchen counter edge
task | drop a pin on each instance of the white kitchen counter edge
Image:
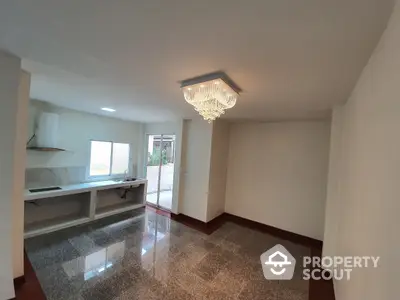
(81, 188)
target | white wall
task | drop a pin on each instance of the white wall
(11, 103)
(218, 169)
(195, 168)
(277, 174)
(76, 129)
(369, 174)
(168, 128)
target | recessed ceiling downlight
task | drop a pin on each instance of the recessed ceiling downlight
(108, 109)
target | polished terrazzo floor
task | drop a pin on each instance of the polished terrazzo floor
(144, 255)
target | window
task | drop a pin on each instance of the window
(108, 158)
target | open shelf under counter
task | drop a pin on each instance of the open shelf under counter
(117, 200)
(55, 224)
(55, 213)
(116, 209)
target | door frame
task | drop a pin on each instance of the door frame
(147, 135)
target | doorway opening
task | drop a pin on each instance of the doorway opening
(160, 170)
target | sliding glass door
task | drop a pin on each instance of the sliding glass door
(160, 169)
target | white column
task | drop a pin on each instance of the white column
(21, 137)
(14, 102)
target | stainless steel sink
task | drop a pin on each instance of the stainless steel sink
(130, 179)
(126, 180)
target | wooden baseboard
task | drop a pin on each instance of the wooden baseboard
(28, 286)
(320, 289)
(19, 281)
(204, 227)
(283, 234)
(209, 227)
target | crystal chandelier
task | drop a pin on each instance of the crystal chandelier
(211, 94)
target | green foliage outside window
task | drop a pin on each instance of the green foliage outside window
(154, 158)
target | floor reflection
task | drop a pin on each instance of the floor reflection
(148, 256)
(155, 234)
(99, 261)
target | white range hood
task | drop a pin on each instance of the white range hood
(47, 130)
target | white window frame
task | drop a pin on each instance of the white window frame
(109, 176)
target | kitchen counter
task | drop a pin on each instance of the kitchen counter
(81, 188)
(51, 210)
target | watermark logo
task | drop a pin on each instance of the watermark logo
(278, 263)
(336, 267)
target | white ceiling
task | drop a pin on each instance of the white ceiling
(293, 58)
